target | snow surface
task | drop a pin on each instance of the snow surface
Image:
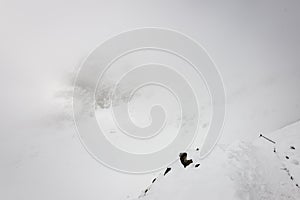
(241, 171)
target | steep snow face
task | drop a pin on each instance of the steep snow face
(244, 171)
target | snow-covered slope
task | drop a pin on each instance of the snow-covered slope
(250, 171)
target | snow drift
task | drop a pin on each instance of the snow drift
(240, 171)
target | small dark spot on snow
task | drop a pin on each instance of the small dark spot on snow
(292, 147)
(146, 191)
(287, 157)
(292, 178)
(197, 149)
(153, 180)
(167, 170)
(197, 165)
